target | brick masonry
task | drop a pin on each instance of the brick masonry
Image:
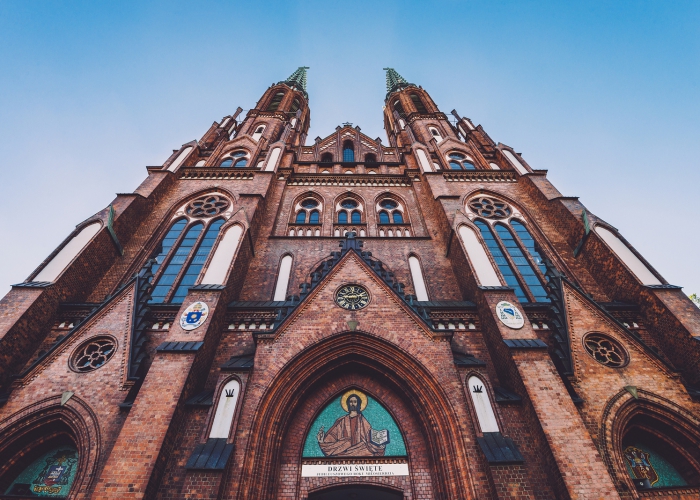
(135, 435)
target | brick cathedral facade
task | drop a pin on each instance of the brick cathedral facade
(424, 319)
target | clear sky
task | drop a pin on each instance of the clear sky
(603, 94)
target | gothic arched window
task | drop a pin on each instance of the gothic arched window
(275, 102)
(342, 217)
(356, 217)
(390, 211)
(226, 163)
(283, 274)
(527, 273)
(370, 158)
(188, 252)
(418, 103)
(399, 108)
(301, 217)
(308, 210)
(326, 158)
(314, 217)
(348, 151)
(459, 161)
(295, 106)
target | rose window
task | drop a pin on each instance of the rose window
(93, 354)
(605, 350)
(207, 206)
(490, 208)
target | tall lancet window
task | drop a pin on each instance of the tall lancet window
(348, 151)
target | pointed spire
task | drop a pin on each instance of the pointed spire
(297, 80)
(395, 82)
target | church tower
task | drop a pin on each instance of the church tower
(269, 316)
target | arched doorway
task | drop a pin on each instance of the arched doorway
(356, 493)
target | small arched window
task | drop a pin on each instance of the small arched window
(342, 217)
(482, 405)
(308, 210)
(398, 218)
(348, 151)
(295, 106)
(326, 158)
(226, 163)
(383, 217)
(399, 108)
(258, 132)
(314, 217)
(459, 161)
(370, 158)
(356, 217)
(418, 104)
(301, 217)
(435, 133)
(275, 102)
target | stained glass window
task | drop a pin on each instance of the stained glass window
(644, 461)
(195, 266)
(51, 475)
(529, 243)
(501, 261)
(167, 279)
(168, 242)
(527, 273)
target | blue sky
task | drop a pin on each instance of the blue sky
(603, 94)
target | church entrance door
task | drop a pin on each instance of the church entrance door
(356, 493)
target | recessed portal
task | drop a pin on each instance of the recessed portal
(356, 493)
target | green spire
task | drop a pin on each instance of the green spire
(395, 82)
(297, 80)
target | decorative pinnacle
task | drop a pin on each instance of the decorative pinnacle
(395, 82)
(297, 80)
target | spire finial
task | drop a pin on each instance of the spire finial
(395, 82)
(297, 80)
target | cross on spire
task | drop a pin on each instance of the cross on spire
(395, 82)
(297, 80)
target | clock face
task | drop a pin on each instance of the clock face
(352, 297)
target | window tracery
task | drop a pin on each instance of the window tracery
(490, 208)
(605, 350)
(93, 354)
(207, 206)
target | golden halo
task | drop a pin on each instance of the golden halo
(361, 395)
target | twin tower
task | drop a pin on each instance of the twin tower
(269, 317)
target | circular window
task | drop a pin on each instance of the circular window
(490, 208)
(388, 204)
(309, 203)
(93, 354)
(207, 206)
(349, 204)
(605, 350)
